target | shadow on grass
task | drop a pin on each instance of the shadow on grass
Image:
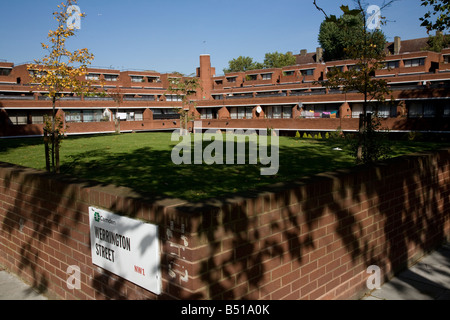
(152, 172)
(8, 144)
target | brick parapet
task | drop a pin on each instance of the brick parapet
(309, 239)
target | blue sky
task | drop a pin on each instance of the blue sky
(170, 35)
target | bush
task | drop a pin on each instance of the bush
(375, 144)
(297, 135)
(336, 135)
(305, 136)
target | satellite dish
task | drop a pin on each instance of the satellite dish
(259, 109)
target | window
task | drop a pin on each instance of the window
(139, 116)
(354, 67)
(429, 110)
(268, 111)
(446, 113)
(73, 116)
(251, 77)
(219, 82)
(357, 110)
(92, 115)
(84, 116)
(278, 112)
(385, 111)
(18, 118)
(267, 76)
(208, 113)
(415, 110)
(5, 71)
(153, 79)
(234, 113)
(129, 115)
(447, 58)
(218, 97)
(288, 73)
(170, 97)
(88, 116)
(418, 110)
(249, 112)
(111, 77)
(336, 68)
(287, 112)
(308, 72)
(164, 114)
(231, 79)
(391, 64)
(241, 113)
(93, 76)
(37, 119)
(414, 63)
(37, 74)
(137, 79)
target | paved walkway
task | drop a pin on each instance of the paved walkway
(12, 288)
(429, 279)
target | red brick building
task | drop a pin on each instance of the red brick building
(288, 99)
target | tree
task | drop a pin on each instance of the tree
(337, 34)
(279, 60)
(271, 60)
(241, 64)
(185, 88)
(59, 71)
(439, 17)
(438, 42)
(117, 95)
(360, 77)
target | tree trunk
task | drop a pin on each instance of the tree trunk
(47, 151)
(359, 152)
(117, 122)
(53, 134)
(57, 169)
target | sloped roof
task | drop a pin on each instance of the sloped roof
(413, 45)
(305, 59)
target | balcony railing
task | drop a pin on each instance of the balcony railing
(7, 97)
(166, 116)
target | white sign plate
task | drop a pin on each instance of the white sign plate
(126, 247)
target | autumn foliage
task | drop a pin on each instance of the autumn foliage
(60, 71)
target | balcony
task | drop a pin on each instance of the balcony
(173, 116)
(15, 97)
(141, 98)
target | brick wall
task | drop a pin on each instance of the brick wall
(311, 239)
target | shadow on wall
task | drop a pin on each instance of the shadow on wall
(413, 218)
(407, 197)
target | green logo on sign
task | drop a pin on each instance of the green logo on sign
(97, 217)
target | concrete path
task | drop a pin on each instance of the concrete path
(429, 279)
(12, 288)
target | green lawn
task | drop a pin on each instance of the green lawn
(142, 162)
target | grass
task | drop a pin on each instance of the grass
(142, 162)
